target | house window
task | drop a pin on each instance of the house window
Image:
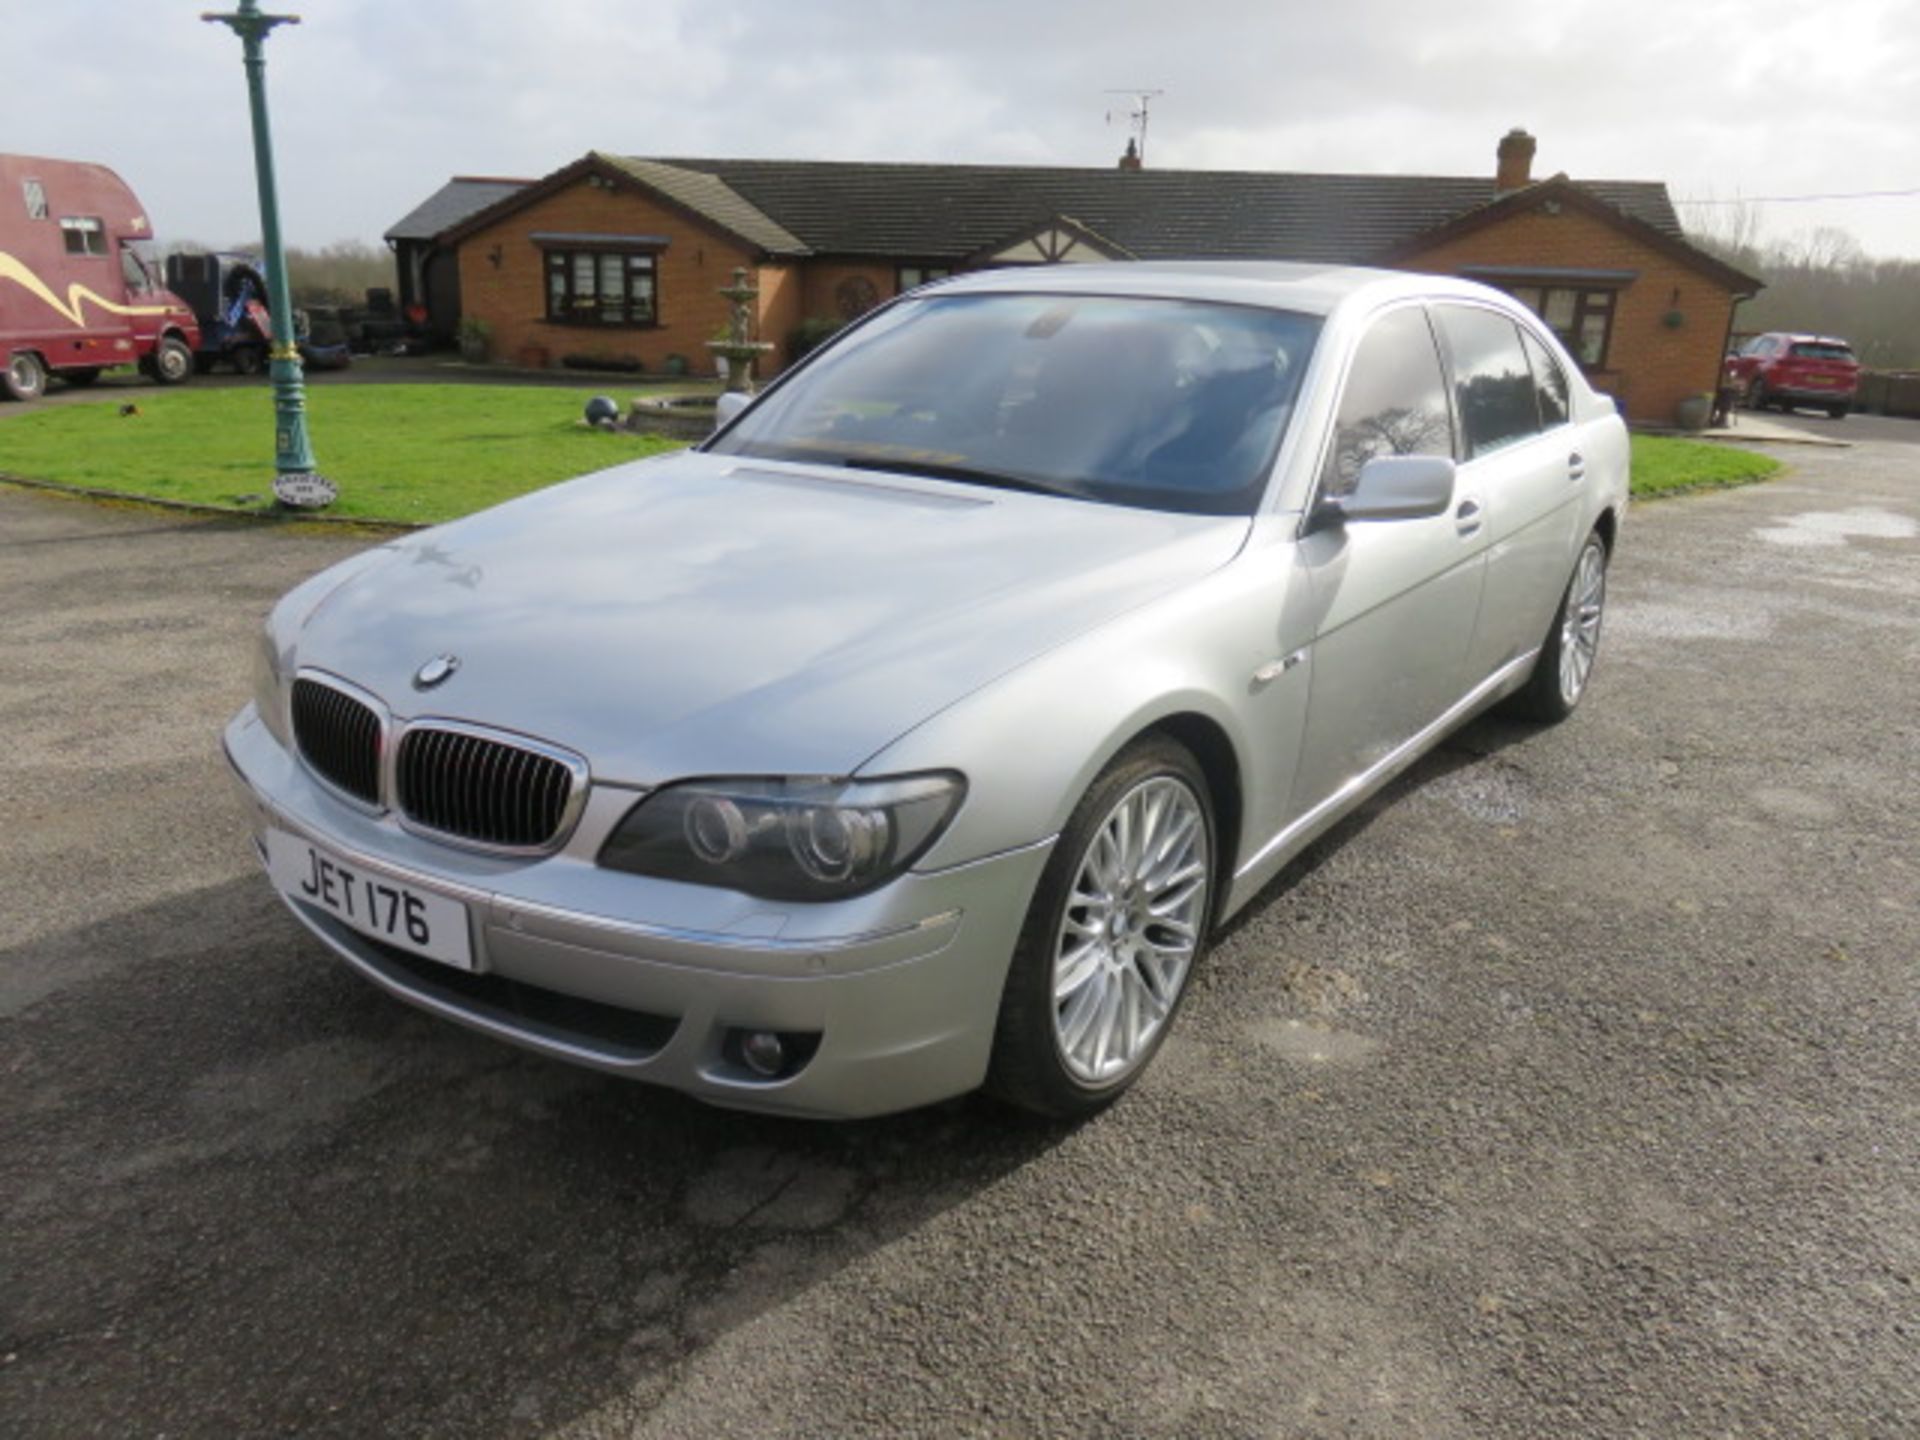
(601, 287)
(1583, 319)
(909, 276)
(84, 234)
(36, 197)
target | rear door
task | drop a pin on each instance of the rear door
(1393, 600)
(1520, 458)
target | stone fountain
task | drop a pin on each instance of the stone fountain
(740, 349)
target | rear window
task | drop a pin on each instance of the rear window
(1492, 384)
(1811, 350)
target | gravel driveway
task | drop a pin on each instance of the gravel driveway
(1572, 1089)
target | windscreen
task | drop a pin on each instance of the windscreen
(1820, 350)
(1162, 404)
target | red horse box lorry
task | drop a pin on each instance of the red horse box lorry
(76, 295)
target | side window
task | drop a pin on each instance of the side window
(35, 194)
(1492, 386)
(1549, 383)
(84, 235)
(1395, 402)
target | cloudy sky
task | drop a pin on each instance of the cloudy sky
(376, 102)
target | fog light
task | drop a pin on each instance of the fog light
(764, 1052)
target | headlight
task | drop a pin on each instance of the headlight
(792, 839)
(269, 696)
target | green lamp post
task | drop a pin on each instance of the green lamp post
(297, 480)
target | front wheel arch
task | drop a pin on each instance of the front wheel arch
(1213, 751)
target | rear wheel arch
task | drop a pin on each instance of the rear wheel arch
(1607, 525)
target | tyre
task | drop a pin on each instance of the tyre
(1757, 394)
(79, 379)
(25, 377)
(1837, 412)
(172, 361)
(1561, 673)
(249, 360)
(1117, 924)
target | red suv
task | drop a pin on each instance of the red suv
(1789, 370)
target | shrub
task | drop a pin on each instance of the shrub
(811, 333)
(629, 364)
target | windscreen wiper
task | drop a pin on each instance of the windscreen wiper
(966, 474)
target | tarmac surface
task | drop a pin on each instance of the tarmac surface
(1573, 1088)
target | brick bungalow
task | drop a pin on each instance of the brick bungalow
(617, 257)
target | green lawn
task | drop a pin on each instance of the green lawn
(397, 452)
(433, 452)
(1663, 466)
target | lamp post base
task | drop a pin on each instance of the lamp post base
(304, 490)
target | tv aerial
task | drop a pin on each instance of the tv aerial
(1142, 100)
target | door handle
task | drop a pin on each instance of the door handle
(1576, 466)
(1467, 515)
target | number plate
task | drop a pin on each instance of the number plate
(372, 903)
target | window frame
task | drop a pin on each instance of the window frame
(92, 228)
(1588, 299)
(632, 260)
(927, 273)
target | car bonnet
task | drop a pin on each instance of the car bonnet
(703, 615)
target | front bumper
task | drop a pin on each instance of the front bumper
(647, 978)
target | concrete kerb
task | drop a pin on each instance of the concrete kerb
(1754, 431)
(276, 516)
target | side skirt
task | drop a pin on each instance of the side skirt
(1268, 861)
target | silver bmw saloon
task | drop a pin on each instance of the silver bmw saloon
(912, 733)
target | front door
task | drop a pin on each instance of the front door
(1394, 601)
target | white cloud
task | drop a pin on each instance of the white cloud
(376, 102)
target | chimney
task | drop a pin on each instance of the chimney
(1130, 160)
(1515, 169)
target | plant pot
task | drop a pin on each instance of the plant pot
(1692, 412)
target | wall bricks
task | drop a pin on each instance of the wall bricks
(825, 277)
(510, 295)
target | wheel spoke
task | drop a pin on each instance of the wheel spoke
(1071, 972)
(1127, 1022)
(1089, 928)
(1077, 1017)
(1103, 1024)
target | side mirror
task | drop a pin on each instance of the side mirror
(728, 407)
(1392, 487)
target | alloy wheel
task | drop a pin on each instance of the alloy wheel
(1580, 625)
(1132, 925)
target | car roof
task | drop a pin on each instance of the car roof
(1793, 337)
(1311, 289)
